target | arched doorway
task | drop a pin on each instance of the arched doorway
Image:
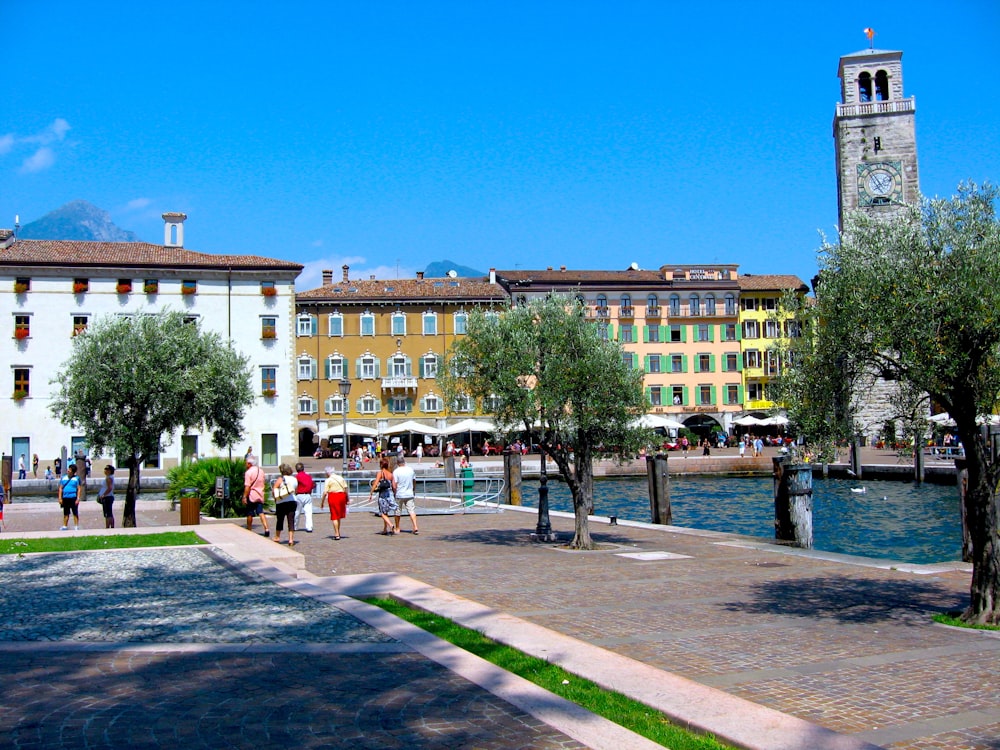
(703, 425)
(307, 441)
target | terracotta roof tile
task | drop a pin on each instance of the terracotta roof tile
(461, 288)
(129, 254)
(771, 282)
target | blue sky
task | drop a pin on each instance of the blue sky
(388, 135)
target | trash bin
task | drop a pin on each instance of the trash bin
(468, 486)
(190, 507)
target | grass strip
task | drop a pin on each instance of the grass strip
(952, 619)
(73, 543)
(620, 709)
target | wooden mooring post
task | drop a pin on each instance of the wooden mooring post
(659, 489)
(793, 502)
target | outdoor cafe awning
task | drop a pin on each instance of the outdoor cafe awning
(411, 426)
(352, 429)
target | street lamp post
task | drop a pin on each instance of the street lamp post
(345, 390)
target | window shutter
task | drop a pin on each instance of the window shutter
(711, 363)
(327, 368)
(683, 334)
(357, 371)
(378, 368)
(739, 392)
(649, 395)
(684, 363)
(685, 399)
(645, 361)
(420, 366)
(313, 324)
(409, 404)
(713, 395)
(645, 334)
(409, 367)
(711, 332)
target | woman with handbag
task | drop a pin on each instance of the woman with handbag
(385, 485)
(285, 505)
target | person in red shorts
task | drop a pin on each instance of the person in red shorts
(335, 493)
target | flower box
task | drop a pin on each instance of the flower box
(269, 393)
(80, 287)
(20, 287)
(77, 330)
(150, 288)
(20, 395)
(189, 290)
(269, 334)
(124, 288)
(269, 291)
(21, 333)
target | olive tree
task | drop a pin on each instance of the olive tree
(131, 382)
(548, 371)
(915, 298)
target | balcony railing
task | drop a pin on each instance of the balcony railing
(877, 108)
(626, 312)
(653, 312)
(399, 382)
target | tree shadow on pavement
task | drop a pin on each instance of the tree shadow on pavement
(522, 538)
(850, 599)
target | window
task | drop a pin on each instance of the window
(626, 333)
(769, 303)
(189, 286)
(755, 391)
(22, 382)
(601, 303)
(675, 305)
(268, 289)
(677, 363)
(367, 324)
(461, 323)
(729, 332)
(191, 320)
(399, 405)
(602, 330)
(399, 366)
(268, 327)
(772, 363)
(655, 395)
(430, 324)
(368, 405)
(491, 403)
(336, 367)
(80, 324)
(677, 395)
(732, 394)
(705, 397)
(398, 324)
(307, 405)
(22, 284)
(751, 358)
(730, 304)
(694, 305)
(732, 362)
(151, 286)
(709, 304)
(335, 324)
(751, 329)
(772, 329)
(653, 334)
(463, 403)
(705, 363)
(429, 366)
(749, 303)
(793, 329)
(431, 403)
(305, 325)
(306, 368)
(269, 449)
(703, 332)
(625, 305)
(334, 405)
(268, 380)
(676, 334)
(81, 285)
(881, 86)
(653, 363)
(628, 359)
(368, 367)
(22, 326)
(124, 286)
(653, 304)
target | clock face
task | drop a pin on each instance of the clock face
(879, 183)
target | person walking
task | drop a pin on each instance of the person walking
(303, 496)
(335, 493)
(404, 478)
(743, 448)
(253, 494)
(34, 466)
(22, 471)
(385, 486)
(285, 504)
(69, 500)
(106, 496)
(419, 452)
(3, 499)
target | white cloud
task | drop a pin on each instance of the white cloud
(6, 143)
(43, 158)
(137, 204)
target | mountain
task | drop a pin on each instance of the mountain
(439, 269)
(77, 220)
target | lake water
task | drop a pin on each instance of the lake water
(892, 520)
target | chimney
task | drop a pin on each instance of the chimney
(420, 275)
(372, 277)
(346, 269)
(562, 269)
(493, 276)
(173, 229)
(327, 277)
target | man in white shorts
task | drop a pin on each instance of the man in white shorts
(404, 476)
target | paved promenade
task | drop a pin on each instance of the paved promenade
(771, 648)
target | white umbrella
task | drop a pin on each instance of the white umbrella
(352, 429)
(776, 420)
(655, 420)
(412, 426)
(748, 421)
(469, 425)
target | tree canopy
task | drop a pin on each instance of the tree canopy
(131, 381)
(548, 372)
(914, 298)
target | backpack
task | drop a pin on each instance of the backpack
(383, 488)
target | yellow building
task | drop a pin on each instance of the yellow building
(388, 338)
(763, 326)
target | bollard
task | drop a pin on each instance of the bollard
(659, 489)
(793, 502)
(190, 507)
(468, 486)
(512, 477)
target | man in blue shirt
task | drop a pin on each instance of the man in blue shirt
(69, 497)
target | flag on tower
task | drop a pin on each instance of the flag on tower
(870, 33)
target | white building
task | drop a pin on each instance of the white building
(52, 289)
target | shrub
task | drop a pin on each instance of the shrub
(201, 475)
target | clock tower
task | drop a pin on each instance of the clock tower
(875, 135)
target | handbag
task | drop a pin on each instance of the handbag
(281, 490)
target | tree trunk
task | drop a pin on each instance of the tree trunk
(128, 514)
(583, 497)
(981, 511)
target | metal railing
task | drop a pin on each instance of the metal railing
(434, 493)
